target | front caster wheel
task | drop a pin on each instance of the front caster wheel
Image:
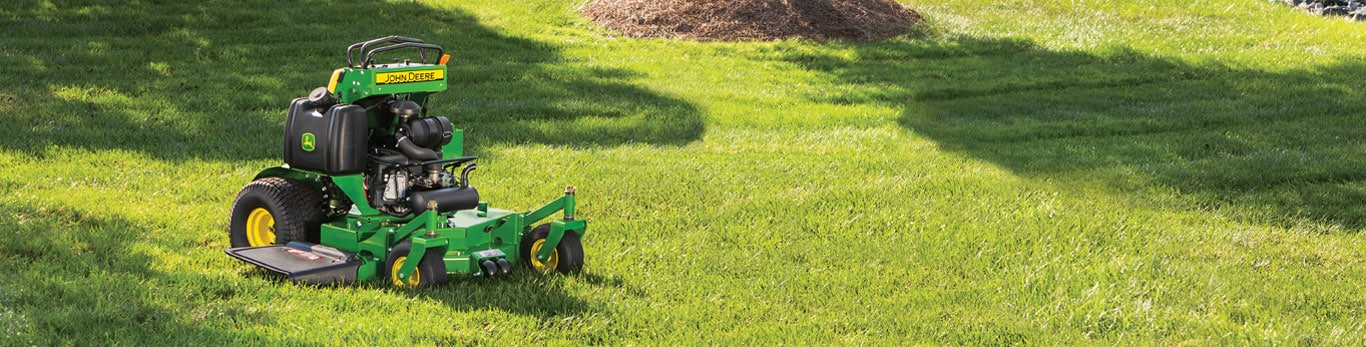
(431, 270)
(567, 257)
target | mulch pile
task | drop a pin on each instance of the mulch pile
(1352, 9)
(731, 20)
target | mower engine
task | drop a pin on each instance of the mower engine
(404, 172)
(405, 175)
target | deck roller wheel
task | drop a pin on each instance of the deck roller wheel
(567, 257)
(431, 269)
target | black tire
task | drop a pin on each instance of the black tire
(431, 270)
(291, 205)
(568, 255)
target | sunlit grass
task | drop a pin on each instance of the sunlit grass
(1040, 172)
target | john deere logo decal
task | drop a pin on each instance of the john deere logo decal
(409, 76)
(308, 142)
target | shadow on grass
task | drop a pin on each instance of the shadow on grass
(1283, 147)
(544, 298)
(76, 279)
(211, 80)
(522, 292)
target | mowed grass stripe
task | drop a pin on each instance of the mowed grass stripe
(1038, 172)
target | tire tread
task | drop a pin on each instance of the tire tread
(294, 206)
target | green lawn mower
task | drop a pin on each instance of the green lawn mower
(374, 187)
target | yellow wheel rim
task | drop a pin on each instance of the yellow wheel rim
(393, 274)
(548, 264)
(260, 228)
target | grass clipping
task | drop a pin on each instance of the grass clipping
(732, 20)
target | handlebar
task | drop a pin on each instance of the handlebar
(395, 42)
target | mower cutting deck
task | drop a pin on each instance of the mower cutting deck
(373, 187)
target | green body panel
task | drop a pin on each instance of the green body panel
(464, 238)
(357, 84)
(368, 270)
(364, 235)
(354, 188)
(313, 179)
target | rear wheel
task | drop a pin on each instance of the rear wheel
(274, 211)
(566, 258)
(431, 269)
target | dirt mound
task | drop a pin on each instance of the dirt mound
(754, 19)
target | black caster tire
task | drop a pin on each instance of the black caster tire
(567, 257)
(431, 269)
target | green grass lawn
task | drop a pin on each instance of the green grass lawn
(1040, 172)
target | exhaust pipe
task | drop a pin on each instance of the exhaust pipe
(465, 175)
(490, 268)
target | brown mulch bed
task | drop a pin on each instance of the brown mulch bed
(731, 20)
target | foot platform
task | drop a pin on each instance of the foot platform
(302, 262)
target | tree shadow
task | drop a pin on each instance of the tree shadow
(73, 279)
(212, 80)
(1284, 147)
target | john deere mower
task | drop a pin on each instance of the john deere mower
(375, 187)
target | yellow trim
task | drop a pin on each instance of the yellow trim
(393, 274)
(260, 228)
(549, 264)
(332, 83)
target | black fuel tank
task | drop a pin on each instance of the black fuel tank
(326, 138)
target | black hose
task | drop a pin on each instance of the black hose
(415, 152)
